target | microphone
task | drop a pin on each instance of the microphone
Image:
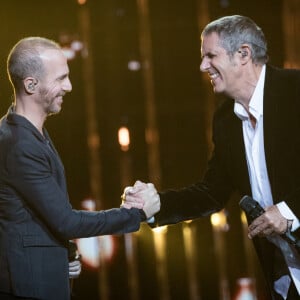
(253, 210)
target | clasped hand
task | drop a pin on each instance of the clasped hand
(143, 196)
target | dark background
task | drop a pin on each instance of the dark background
(180, 98)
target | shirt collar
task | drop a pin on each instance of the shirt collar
(256, 101)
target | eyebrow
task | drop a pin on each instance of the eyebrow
(209, 54)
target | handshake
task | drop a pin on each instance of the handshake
(142, 196)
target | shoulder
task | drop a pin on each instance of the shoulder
(282, 84)
(283, 76)
(20, 147)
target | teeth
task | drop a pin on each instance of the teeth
(214, 76)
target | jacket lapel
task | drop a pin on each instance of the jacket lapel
(270, 113)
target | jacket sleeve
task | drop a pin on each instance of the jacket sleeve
(204, 197)
(30, 173)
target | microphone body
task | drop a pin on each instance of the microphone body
(253, 210)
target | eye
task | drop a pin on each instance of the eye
(210, 55)
(62, 78)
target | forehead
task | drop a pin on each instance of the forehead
(210, 43)
(54, 62)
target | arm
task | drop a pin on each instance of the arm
(185, 204)
(213, 191)
(31, 173)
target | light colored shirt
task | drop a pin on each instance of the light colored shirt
(259, 180)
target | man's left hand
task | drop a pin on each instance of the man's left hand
(271, 222)
(74, 268)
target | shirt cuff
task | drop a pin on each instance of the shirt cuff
(151, 220)
(288, 214)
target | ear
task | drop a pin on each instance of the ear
(245, 53)
(30, 84)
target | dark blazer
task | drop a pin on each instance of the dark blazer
(36, 218)
(227, 169)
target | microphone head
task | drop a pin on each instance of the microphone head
(247, 204)
(251, 208)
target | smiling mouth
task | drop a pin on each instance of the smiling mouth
(213, 76)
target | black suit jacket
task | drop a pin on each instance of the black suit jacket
(227, 169)
(36, 218)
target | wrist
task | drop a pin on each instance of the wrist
(142, 215)
(289, 224)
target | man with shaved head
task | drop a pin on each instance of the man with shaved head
(36, 217)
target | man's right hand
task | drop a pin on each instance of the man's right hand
(142, 195)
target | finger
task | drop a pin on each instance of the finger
(126, 205)
(254, 232)
(134, 205)
(128, 189)
(256, 223)
(74, 274)
(134, 190)
(130, 204)
(74, 264)
(268, 231)
(151, 185)
(75, 269)
(134, 198)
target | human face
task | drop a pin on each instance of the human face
(224, 71)
(55, 83)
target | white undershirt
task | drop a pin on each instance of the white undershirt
(259, 180)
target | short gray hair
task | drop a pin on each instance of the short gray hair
(24, 59)
(236, 30)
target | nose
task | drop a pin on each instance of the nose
(204, 66)
(67, 85)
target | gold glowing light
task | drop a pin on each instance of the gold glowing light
(188, 221)
(219, 220)
(160, 230)
(81, 2)
(124, 138)
(243, 218)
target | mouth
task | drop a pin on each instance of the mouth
(60, 96)
(60, 99)
(213, 75)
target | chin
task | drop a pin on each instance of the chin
(54, 111)
(218, 91)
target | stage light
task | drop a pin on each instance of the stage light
(134, 65)
(124, 138)
(68, 53)
(81, 2)
(91, 248)
(219, 220)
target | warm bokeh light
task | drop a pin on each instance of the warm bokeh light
(88, 204)
(134, 65)
(219, 220)
(91, 248)
(160, 230)
(81, 2)
(124, 138)
(244, 218)
(188, 221)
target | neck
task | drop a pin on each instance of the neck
(246, 90)
(31, 112)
